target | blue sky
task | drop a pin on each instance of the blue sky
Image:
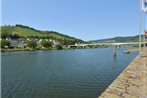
(84, 19)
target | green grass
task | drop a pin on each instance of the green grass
(25, 31)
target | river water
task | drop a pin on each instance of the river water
(81, 73)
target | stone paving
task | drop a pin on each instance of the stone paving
(132, 82)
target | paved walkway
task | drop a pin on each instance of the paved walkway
(132, 82)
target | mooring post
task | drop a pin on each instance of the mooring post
(115, 50)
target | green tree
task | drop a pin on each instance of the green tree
(32, 44)
(14, 36)
(59, 47)
(65, 41)
(46, 43)
(5, 43)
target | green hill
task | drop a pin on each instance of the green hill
(118, 39)
(25, 32)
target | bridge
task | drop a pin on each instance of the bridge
(115, 45)
(107, 44)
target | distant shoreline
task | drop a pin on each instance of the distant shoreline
(27, 49)
(37, 49)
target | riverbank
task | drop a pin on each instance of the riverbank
(27, 49)
(45, 49)
(132, 82)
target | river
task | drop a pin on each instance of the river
(81, 73)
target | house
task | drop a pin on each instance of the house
(14, 42)
(55, 42)
(17, 42)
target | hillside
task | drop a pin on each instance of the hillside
(118, 39)
(25, 31)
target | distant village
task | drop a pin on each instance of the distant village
(17, 44)
(23, 41)
(11, 43)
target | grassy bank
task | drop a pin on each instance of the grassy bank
(45, 49)
(18, 49)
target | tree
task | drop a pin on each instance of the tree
(15, 36)
(32, 44)
(5, 43)
(65, 41)
(46, 43)
(5, 35)
(59, 47)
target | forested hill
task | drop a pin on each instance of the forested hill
(26, 31)
(118, 39)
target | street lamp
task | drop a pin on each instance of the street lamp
(143, 9)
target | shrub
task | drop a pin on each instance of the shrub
(32, 44)
(46, 44)
(5, 43)
(59, 47)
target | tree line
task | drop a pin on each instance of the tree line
(31, 44)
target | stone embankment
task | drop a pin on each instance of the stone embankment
(132, 82)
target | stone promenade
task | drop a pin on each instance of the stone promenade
(132, 82)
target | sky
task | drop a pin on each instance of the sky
(84, 19)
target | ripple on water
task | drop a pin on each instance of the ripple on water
(53, 74)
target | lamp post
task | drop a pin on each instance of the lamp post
(140, 27)
(143, 5)
(143, 10)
